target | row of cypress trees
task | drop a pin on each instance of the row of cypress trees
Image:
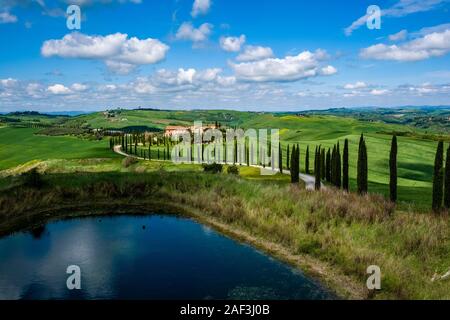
(441, 179)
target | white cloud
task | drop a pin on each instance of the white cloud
(431, 45)
(254, 53)
(6, 17)
(379, 92)
(200, 7)
(58, 89)
(399, 36)
(188, 32)
(117, 50)
(400, 9)
(232, 44)
(79, 87)
(9, 82)
(428, 30)
(290, 68)
(183, 76)
(356, 85)
(328, 70)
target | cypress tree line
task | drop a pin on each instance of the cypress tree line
(393, 170)
(338, 167)
(280, 158)
(447, 180)
(317, 169)
(345, 184)
(294, 166)
(298, 159)
(361, 178)
(307, 160)
(438, 177)
(328, 166)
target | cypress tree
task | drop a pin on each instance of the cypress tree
(345, 184)
(287, 158)
(298, 159)
(280, 158)
(333, 166)
(338, 167)
(307, 160)
(322, 164)
(328, 166)
(447, 180)
(294, 166)
(317, 169)
(393, 170)
(362, 166)
(438, 177)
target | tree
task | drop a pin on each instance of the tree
(280, 158)
(447, 180)
(328, 166)
(393, 170)
(294, 166)
(438, 177)
(322, 164)
(333, 166)
(338, 167)
(345, 184)
(361, 178)
(307, 160)
(287, 158)
(317, 169)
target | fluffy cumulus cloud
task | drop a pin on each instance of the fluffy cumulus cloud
(254, 53)
(400, 9)
(58, 89)
(188, 32)
(117, 50)
(431, 45)
(291, 68)
(200, 7)
(232, 44)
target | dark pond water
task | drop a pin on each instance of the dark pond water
(119, 258)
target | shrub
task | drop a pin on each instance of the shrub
(233, 170)
(213, 168)
(33, 179)
(128, 161)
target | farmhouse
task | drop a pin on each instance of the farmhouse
(175, 130)
(179, 130)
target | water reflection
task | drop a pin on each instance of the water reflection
(145, 257)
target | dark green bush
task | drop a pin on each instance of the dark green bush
(213, 168)
(233, 169)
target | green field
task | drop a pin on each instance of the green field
(415, 154)
(21, 145)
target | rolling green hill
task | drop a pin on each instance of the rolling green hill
(415, 155)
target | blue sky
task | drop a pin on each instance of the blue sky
(247, 55)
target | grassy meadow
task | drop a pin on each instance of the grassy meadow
(415, 154)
